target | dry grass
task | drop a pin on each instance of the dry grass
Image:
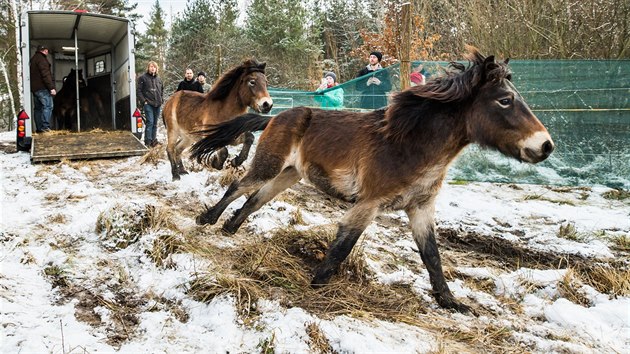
(230, 174)
(608, 279)
(280, 268)
(296, 217)
(569, 232)
(154, 155)
(57, 218)
(317, 341)
(124, 224)
(617, 194)
(163, 247)
(621, 242)
(569, 288)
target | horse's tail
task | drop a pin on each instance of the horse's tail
(221, 135)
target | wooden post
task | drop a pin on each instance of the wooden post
(405, 46)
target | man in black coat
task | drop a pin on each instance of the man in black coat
(43, 88)
(189, 84)
(375, 84)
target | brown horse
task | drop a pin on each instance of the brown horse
(391, 159)
(187, 111)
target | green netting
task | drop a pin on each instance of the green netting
(585, 105)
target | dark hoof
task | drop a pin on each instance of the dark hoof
(183, 172)
(203, 219)
(176, 178)
(229, 229)
(320, 279)
(236, 162)
(216, 164)
(449, 302)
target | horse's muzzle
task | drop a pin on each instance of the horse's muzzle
(266, 107)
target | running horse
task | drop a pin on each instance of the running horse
(390, 159)
(187, 111)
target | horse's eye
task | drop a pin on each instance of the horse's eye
(505, 101)
(509, 77)
(252, 83)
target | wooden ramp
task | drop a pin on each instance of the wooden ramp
(56, 146)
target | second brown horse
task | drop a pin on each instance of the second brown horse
(187, 111)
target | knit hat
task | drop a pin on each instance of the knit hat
(331, 74)
(379, 55)
(201, 73)
(41, 47)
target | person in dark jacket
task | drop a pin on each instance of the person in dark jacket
(189, 84)
(43, 88)
(149, 98)
(375, 85)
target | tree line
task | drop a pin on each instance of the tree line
(300, 40)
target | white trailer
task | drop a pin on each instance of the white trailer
(102, 47)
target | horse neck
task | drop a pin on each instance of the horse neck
(228, 109)
(437, 138)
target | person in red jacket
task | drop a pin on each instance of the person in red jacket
(43, 88)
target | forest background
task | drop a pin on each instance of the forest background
(300, 40)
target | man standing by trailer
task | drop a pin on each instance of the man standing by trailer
(43, 88)
(149, 96)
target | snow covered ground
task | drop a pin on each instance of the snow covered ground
(65, 287)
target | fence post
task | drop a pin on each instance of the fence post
(405, 46)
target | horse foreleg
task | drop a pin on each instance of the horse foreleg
(248, 141)
(350, 228)
(218, 159)
(288, 177)
(423, 229)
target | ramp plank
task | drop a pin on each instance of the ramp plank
(86, 145)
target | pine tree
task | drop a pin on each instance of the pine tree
(278, 31)
(152, 45)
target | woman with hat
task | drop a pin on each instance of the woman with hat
(328, 94)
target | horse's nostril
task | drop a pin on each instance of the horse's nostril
(547, 147)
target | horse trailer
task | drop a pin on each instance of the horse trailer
(96, 106)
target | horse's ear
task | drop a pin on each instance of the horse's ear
(507, 60)
(262, 66)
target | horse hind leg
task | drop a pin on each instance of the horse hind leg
(350, 229)
(288, 177)
(423, 230)
(234, 191)
(248, 141)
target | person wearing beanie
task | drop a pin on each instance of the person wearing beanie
(375, 83)
(43, 89)
(328, 94)
(201, 84)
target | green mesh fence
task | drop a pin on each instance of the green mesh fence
(585, 105)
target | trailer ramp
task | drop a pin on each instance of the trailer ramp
(56, 146)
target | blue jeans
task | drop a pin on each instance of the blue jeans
(43, 109)
(151, 114)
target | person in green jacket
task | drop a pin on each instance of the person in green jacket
(328, 94)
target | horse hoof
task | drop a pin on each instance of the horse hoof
(184, 172)
(202, 220)
(229, 229)
(449, 302)
(176, 178)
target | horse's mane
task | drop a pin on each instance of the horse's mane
(221, 89)
(456, 84)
